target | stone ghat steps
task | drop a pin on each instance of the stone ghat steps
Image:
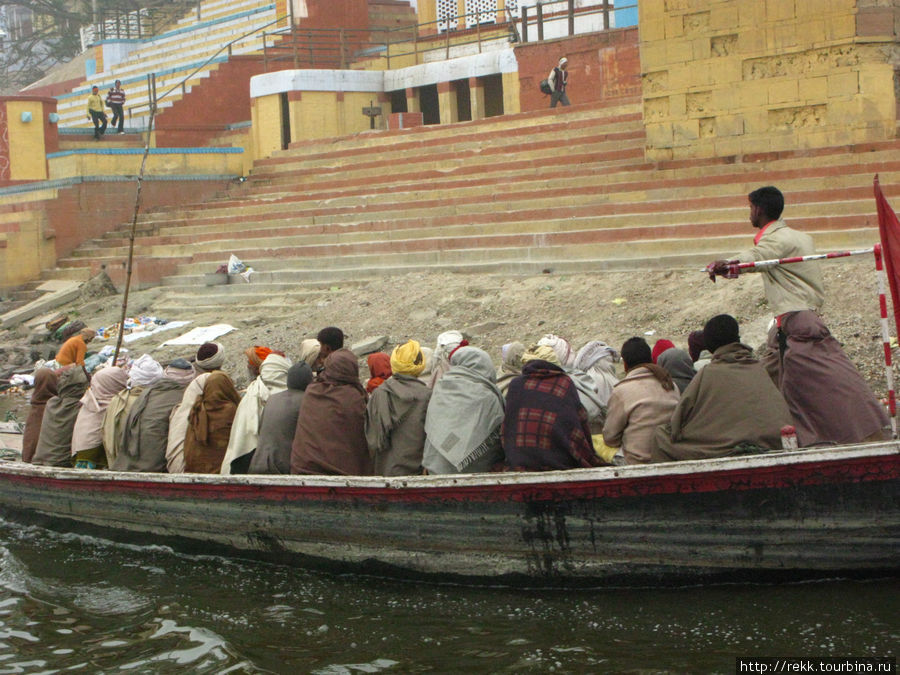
(612, 173)
(506, 134)
(294, 274)
(532, 122)
(582, 182)
(549, 210)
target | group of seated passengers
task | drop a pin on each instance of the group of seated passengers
(448, 410)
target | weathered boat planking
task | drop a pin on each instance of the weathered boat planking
(766, 517)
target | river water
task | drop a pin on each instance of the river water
(75, 603)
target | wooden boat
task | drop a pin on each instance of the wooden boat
(828, 512)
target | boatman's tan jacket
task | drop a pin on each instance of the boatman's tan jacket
(793, 287)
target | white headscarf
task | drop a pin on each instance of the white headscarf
(562, 348)
(144, 372)
(446, 343)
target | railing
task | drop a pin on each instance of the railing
(137, 24)
(338, 48)
(182, 85)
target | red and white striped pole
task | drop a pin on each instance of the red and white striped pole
(886, 339)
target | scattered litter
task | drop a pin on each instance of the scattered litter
(11, 428)
(618, 301)
(245, 275)
(649, 332)
(235, 266)
(22, 380)
(199, 335)
(157, 328)
(136, 328)
(893, 343)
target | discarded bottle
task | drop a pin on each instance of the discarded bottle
(789, 438)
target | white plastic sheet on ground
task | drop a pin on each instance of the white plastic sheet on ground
(199, 335)
(137, 335)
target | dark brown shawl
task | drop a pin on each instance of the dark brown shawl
(330, 436)
(828, 398)
(545, 426)
(54, 446)
(209, 425)
(44, 390)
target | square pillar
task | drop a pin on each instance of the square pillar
(412, 100)
(447, 103)
(476, 98)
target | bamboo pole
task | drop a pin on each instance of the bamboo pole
(131, 235)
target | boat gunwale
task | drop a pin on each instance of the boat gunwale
(477, 481)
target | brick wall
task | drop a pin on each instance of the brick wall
(602, 66)
(34, 233)
(221, 99)
(729, 77)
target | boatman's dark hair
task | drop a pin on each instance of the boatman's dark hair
(770, 199)
(636, 352)
(332, 337)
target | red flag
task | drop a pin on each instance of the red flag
(889, 228)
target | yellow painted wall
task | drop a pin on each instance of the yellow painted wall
(26, 141)
(265, 113)
(511, 89)
(25, 252)
(69, 166)
(448, 106)
(727, 77)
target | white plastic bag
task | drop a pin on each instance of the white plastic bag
(235, 266)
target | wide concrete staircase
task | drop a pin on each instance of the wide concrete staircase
(182, 51)
(565, 190)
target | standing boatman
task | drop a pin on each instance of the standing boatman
(828, 398)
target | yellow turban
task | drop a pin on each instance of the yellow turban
(407, 359)
(541, 352)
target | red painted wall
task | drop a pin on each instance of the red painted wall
(221, 99)
(602, 66)
(86, 211)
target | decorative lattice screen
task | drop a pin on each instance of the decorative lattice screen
(512, 9)
(446, 15)
(488, 9)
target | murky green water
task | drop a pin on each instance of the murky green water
(87, 605)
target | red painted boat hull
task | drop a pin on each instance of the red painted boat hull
(788, 515)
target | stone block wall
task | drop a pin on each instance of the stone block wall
(731, 77)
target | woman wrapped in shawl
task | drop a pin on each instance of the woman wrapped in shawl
(462, 426)
(178, 424)
(678, 364)
(379, 370)
(279, 422)
(395, 415)
(599, 360)
(510, 365)
(818, 381)
(44, 390)
(209, 424)
(54, 446)
(330, 436)
(545, 426)
(587, 392)
(144, 372)
(87, 436)
(146, 430)
(272, 379)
